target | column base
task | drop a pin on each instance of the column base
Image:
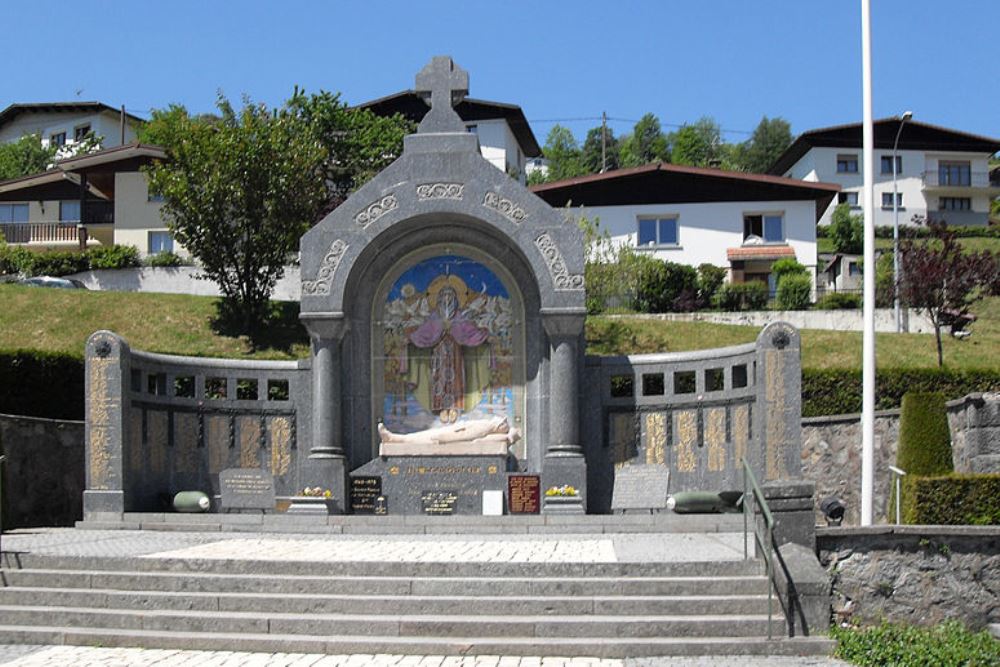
(101, 505)
(565, 470)
(328, 473)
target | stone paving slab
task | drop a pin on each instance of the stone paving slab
(528, 548)
(80, 656)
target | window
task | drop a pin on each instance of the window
(154, 199)
(160, 242)
(80, 132)
(849, 198)
(853, 269)
(768, 226)
(69, 210)
(657, 231)
(954, 204)
(954, 173)
(847, 164)
(887, 200)
(887, 164)
(473, 129)
(57, 139)
(13, 213)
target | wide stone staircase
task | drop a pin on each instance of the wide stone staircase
(366, 606)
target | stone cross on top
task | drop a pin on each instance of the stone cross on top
(445, 83)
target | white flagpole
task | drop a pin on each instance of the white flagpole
(868, 356)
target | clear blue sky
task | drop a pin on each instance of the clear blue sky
(731, 59)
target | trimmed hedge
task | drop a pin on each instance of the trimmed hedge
(41, 384)
(924, 438)
(16, 259)
(952, 500)
(946, 645)
(742, 296)
(838, 392)
(794, 292)
(839, 301)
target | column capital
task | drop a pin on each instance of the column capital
(325, 325)
(563, 321)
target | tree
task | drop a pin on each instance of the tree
(942, 280)
(563, 154)
(769, 140)
(697, 145)
(28, 156)
(847, 231)
(646, 144)
(592, 150)
(241, 189)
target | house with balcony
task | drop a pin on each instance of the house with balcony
(65, 123)
(940, 173)
(505, 138)
(692, 215)
(97, 198)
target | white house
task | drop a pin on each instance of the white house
(505, 138)
(692, 215)
(65, 123)
(940, 173)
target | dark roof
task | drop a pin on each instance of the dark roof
(661, 183)
(414, 108)
(916, 136)
(127, 157)
(14, 110)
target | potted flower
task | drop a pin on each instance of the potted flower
(563, 499)
(312, 500)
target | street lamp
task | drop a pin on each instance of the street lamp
(907, 115)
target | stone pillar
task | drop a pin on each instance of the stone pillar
(564, 463)
(777, 412)
(326, 465)
(107, 375)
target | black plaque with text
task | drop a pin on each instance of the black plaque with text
(365, 491)
(524, 494)
(246, 488)
(439, 502)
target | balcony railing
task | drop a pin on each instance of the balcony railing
(942, 179)
(40, 232)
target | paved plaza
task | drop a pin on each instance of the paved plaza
(77, 656)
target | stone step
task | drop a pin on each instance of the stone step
(520, 646)
(439, 626)
(374, 568)
(576, 605)
(387, 585)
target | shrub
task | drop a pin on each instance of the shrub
(846, 230)
(838, 391)
(59, 263)
(924, 438)
(742, 296)
(113, 257)
(794, 292)
(710, 279)
(167, 259)
(41, 384)
(839, 301)
(945, 645)
(787, 266)
(952, 500)
(665, 286)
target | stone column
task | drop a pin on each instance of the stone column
(326, 465)
(564, 462)
(777, 413)
(107, 375)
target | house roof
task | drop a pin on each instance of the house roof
(134, 152)
(915, 136)
(661, 183)
(16, 109)
(411, 106)
(51, 184)
(759, 252)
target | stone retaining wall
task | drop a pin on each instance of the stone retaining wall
(913, 574)
(43, 477)
(176, 280)
(832, 320)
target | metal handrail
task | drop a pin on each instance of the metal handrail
(2, 460)
(763, 543)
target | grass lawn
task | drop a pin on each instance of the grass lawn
(974, 244)
(61, 320)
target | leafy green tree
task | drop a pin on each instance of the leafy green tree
(563, 154)
(239, 190)
(769, 140)
(646, 144)
(846, 231)
(591, 152)
(697, 145)
(28, 156)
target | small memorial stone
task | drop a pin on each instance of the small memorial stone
(524, 494)
(247, 488)
(365, 491)
(640, 487)
(439, 502)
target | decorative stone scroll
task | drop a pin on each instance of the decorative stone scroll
(440, 191)
(504, 207)
(376, 210)
(561, 277)
(321, 286)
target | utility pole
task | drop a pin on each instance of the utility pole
(604, 141)
(122, 125)
(868, 337)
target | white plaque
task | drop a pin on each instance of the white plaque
(492, 503)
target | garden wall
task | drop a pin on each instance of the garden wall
(913, 574)
(832, 320)
(176, 280)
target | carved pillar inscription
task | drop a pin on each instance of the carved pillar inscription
(107, 359)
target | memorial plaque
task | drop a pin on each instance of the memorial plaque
(524, 494)
(640, 487)
(365, 491)
(247, 489)
(439, 502)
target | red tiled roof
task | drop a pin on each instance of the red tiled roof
(759, 252)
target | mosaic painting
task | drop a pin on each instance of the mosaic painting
(448, 346)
